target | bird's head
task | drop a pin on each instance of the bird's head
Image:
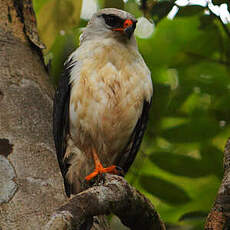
(111, 22)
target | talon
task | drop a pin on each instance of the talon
(99, 169)
(91, 176)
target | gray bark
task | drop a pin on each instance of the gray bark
(219, 215)
(30, 180)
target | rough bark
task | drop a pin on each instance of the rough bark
(219, 215)
(30, 181)
(114, 195)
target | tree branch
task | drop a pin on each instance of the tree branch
(218, 217)
(113, 195)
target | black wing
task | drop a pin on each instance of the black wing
(61, 121)
(131, 149)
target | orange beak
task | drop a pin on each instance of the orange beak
(128, 27)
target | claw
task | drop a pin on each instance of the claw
(99, 169)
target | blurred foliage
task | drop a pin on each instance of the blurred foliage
(55, 16)
(113, 4)
(179, 166)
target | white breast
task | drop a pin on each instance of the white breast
(109, 85)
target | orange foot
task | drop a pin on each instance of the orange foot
(99, 169)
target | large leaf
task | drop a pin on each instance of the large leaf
(212, 159)
(159, 187)
(194, 131)
(180, 164)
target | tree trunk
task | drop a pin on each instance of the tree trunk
(218, 217)
(31, 186)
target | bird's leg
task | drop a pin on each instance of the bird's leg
(99, 169)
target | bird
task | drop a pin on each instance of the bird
(102, 102)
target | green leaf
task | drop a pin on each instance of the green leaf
(212, 159)
(160, 188)
(180, 165)
(199, 128)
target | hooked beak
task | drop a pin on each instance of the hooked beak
(128, 28)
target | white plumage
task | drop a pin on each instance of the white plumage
(109, 82)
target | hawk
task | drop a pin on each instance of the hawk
(102, 102)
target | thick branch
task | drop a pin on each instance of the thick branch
(218, 217)
(114, 195)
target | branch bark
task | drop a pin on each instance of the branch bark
(114, 195)
(218, 217)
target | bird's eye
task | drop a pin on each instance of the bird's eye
(112, 20)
